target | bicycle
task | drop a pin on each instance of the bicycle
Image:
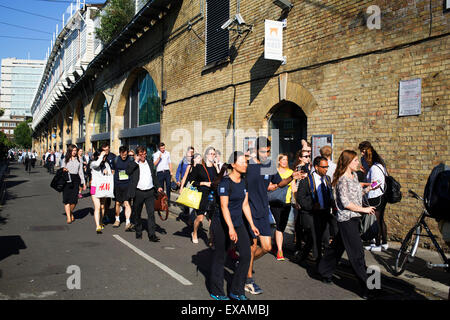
(410, 244)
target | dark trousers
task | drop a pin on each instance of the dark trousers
(315, 224)
(221, 243)
(147, 197)
(51, 167)
(164, 178)
(348, 239)
(27, 165)
(380, 205)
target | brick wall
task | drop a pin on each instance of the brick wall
(344, 76)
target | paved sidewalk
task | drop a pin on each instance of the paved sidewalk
(433, 283)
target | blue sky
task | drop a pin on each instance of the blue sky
(37, 40)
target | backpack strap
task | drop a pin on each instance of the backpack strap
(312, 186)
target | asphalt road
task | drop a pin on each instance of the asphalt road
(39, 251)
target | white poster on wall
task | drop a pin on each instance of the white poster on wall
(273, 40)
(410, 97)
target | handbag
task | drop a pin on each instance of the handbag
(58, 182)
(162, 204)
(190, 197)
(105, 186)
(278, 195)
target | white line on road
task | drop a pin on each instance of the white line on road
(172, 273)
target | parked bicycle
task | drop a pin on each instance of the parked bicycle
(410, 244)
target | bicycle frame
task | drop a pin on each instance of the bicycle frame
(421, 223)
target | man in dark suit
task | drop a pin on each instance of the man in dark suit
(143, 188)
(315, 198)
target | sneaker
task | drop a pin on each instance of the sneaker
(116, 224)
(238, 297)
(280, 256)
(99, 230)
(376, 248)
(102, 226)
(385, 246)
(194, 240)
(252, 287)
(369, 248)
(129, 227)
(219, 297)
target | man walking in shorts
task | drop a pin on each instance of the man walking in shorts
(259, 175)
(121, 184)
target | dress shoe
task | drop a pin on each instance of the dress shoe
(153, 238)
(138, 235)
(327, 280)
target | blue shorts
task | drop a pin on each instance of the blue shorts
(263, 225)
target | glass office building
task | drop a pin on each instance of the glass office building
(19, 80)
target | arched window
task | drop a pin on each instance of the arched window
(101, 119)
(143, 103)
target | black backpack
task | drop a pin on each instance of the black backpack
(392, 189)
(437, 193)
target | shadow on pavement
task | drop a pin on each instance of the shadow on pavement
(418, 266)
(203, 262)
(82, 213)
(11, 184)
(10, 245)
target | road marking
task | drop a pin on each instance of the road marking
(165, 268)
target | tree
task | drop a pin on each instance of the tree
(22, 134)
(117, 14)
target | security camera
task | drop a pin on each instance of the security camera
(284, 4)
(227, 24)
(239, 18)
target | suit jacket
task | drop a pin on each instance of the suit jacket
(305, 197)
(133, 172)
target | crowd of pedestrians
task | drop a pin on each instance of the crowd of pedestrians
(247, 202)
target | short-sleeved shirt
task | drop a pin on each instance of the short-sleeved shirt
(259, 176)
(163, 164)
(236, 195)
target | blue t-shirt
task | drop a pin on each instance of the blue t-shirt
(236, 193)
(120, 176)
(258, 180)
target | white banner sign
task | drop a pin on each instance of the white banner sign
(273, 40)
(410, 97)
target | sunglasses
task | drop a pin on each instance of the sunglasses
(306, 157)
(325, 167)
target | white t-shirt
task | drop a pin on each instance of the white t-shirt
(376, 174)
(163, 164)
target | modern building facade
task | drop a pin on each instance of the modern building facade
(178, 73)
(19, 81)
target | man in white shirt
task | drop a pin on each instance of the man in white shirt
(143, 188)
(327, 151)
(163, 165)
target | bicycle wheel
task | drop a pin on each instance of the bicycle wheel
(407, 250)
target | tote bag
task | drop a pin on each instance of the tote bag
(105, 186)
(190, 197)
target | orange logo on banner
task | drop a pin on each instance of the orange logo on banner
(274, 30)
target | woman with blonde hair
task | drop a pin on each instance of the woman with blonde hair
(348, 197)
(281, 209)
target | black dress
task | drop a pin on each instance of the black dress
(71, 189)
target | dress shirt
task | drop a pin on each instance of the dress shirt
(145, 176)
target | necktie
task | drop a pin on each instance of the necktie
(325, 193)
